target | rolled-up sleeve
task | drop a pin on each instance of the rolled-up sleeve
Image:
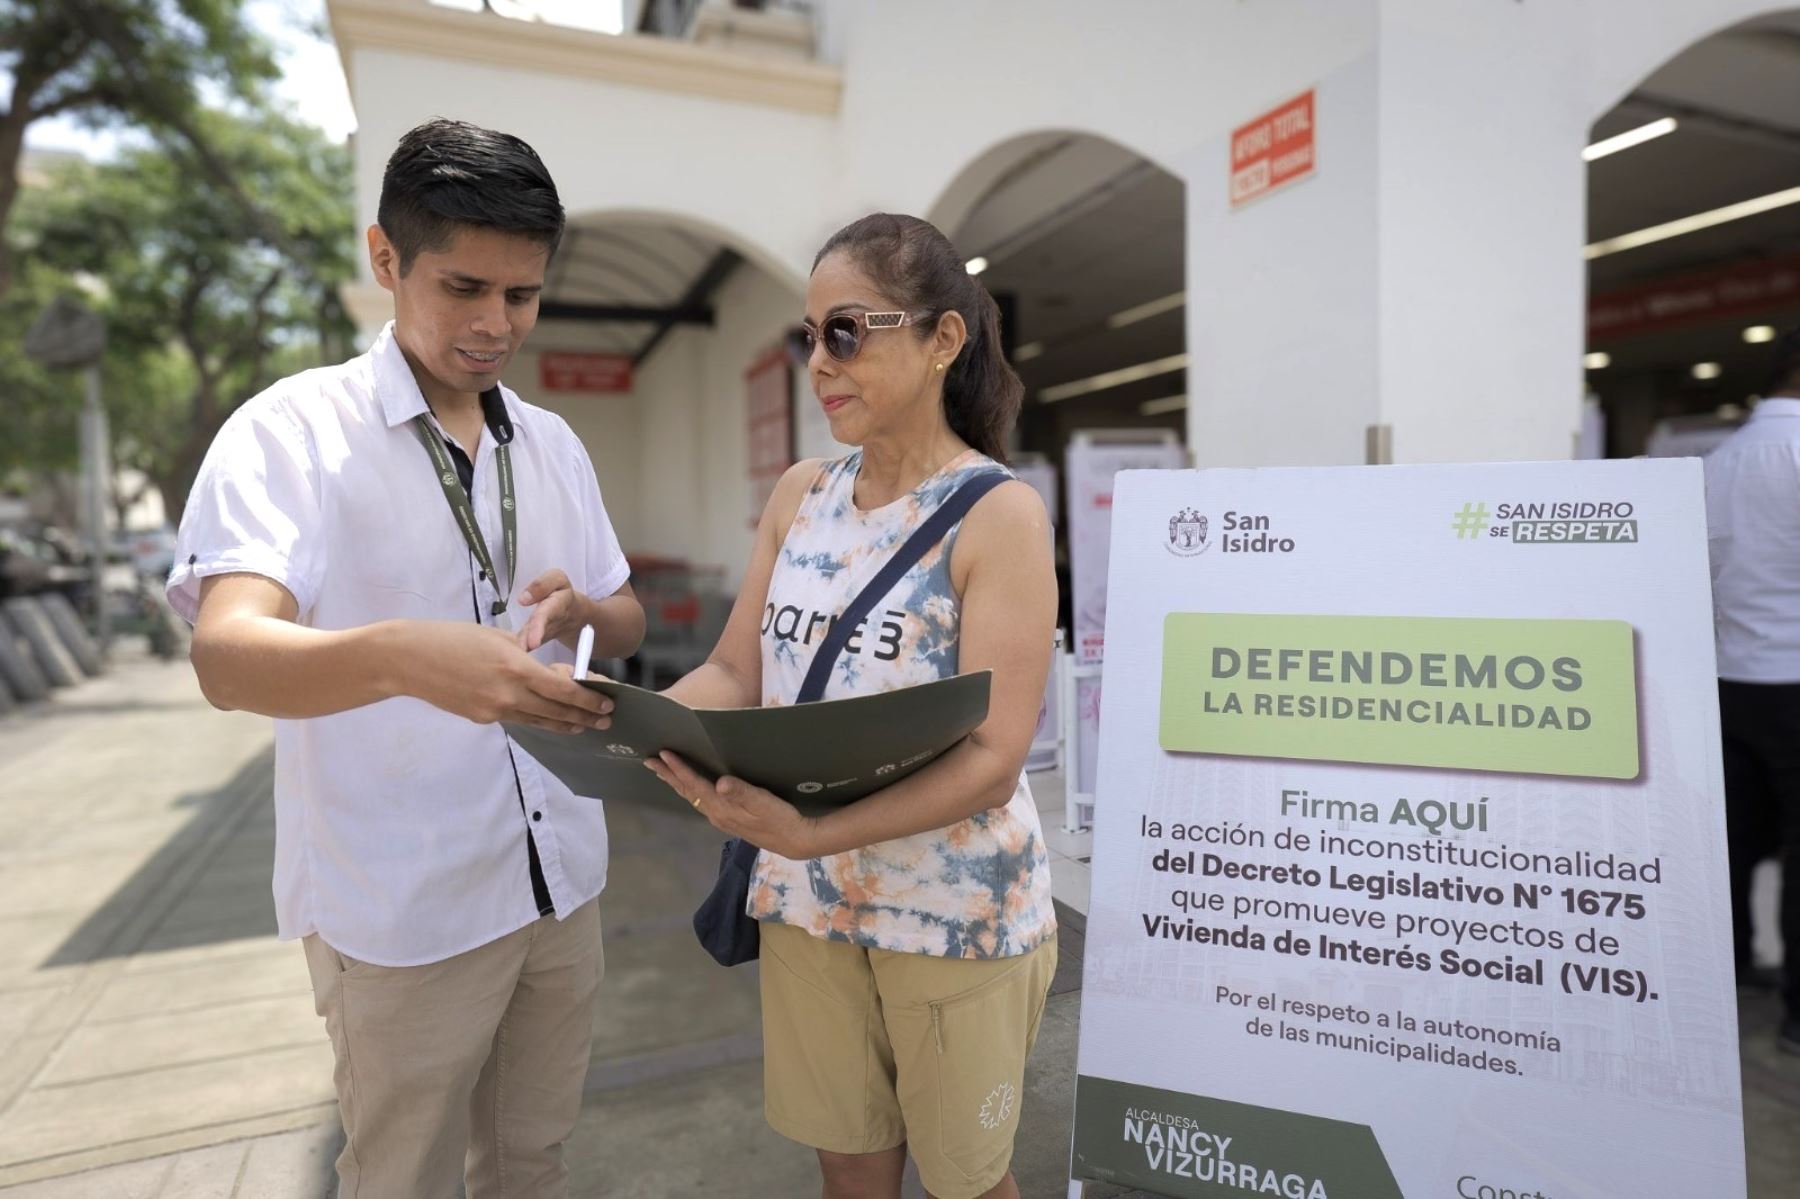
(254, 508)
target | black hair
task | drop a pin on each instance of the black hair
(446, 175)
(916, 267)
(1784, 365)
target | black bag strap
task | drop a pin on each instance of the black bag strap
(923, 538)
(742, 854)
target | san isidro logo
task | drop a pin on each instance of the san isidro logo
(1187, 533)
(1238, 533)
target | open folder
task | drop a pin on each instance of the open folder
(815, 756)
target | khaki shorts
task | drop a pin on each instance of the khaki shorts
(865, 1049)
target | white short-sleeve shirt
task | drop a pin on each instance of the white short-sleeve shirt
(1753, 524)
(400, 837)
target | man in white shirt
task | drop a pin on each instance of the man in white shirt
(389, 557)
(1753, 518)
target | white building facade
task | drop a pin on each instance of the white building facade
(1438, 238)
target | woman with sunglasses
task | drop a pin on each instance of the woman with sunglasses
(908, 939)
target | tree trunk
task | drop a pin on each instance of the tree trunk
(175, 483)
(209, 416)
(12, 144)
(173, 493)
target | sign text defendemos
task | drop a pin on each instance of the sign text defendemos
(1533, 696)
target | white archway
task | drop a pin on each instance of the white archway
(1683, 271)
(1635, 49)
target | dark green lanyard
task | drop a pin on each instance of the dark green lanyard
(465, 515)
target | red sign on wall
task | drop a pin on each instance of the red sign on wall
(562, 370)
(1272, 151)
(770, 407)
(1746, 288)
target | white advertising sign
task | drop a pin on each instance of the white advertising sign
(1409, 861)
(1041, 477)
(1091, 465)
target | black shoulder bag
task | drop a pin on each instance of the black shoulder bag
(725, 929)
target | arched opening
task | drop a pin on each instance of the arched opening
(1693, 271)
(1084, 246)
(1693, 241)
(1082, 242)
(659, 342)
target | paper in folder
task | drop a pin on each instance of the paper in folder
(815, 756)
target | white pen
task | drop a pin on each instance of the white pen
(584, 650)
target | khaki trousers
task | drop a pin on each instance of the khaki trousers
(467, 1071)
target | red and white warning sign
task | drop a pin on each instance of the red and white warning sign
(1272, 151)
(571, 370)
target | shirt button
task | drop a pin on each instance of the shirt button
(537, 815)
(482, 575)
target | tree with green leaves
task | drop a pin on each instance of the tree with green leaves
(205, 303)
(127, 62)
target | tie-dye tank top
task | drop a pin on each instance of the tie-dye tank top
(977, 889)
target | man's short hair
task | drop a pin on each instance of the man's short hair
(445, 175)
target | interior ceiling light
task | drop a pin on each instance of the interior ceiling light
(1132, 316)
(976, 265)
(1705, 370)
(1028, 351)
(1118, 378)
(1757, 334)
(1691, 224)
(1598, 360)
(1164, 405)
(1628, 139)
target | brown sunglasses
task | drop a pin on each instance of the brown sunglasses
(842, 334)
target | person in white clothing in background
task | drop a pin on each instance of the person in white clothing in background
(389, 557)
(1753, 519)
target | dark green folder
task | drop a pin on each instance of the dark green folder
(815, 756)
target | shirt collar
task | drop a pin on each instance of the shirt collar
(401, 399)
(1776, 406)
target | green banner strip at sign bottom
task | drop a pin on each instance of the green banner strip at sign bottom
(1170, 1143)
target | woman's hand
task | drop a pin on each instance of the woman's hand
(741, 810)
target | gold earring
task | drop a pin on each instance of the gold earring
(940, 366)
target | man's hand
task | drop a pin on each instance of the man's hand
(560, 610)
(250, 655)
(483, 675)
(741, 809)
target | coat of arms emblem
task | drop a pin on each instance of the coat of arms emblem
(1187, 533)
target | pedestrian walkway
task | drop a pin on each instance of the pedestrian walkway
(145, 1006)
(156, 1042)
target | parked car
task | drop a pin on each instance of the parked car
(151, 552)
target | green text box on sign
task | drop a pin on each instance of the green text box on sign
(1525, 696)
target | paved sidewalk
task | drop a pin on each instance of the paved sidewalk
(145, 1007)
(156, 1042)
